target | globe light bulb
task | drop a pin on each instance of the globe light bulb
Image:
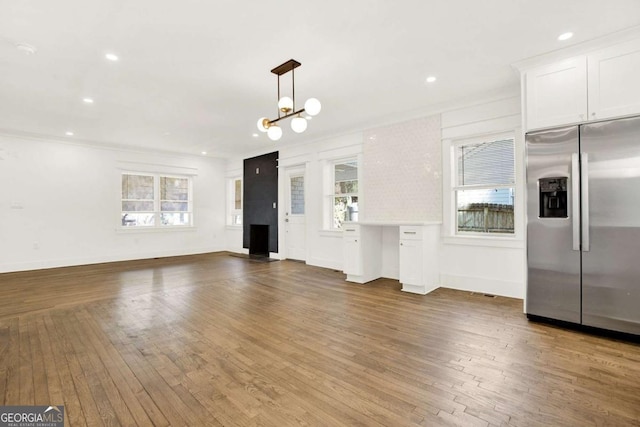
(274, 133)
(312, 107)
(299, 124)
(285, 104)
(262, 124)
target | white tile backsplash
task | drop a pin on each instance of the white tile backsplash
(402, 171)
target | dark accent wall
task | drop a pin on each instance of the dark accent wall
(260, 193)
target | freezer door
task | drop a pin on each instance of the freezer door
(553, 235)
(611, 261)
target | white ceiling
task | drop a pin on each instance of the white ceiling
(194, 75)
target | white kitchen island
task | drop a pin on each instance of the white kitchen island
(417, 244)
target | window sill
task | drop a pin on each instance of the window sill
(133, 230)
(234, 227)
(490, 241)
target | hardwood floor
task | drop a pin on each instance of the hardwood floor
(219, 340)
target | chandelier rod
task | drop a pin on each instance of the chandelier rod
(281, 69)
(278, 100)
(300, 111)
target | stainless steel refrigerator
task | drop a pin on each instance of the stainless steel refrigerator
(583, 224)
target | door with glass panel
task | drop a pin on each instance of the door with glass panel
(295, 228)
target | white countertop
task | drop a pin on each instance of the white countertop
(393, 223)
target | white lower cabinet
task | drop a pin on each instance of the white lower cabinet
(417, 255)
(362, 252)
(418, 258)
(352, 255)
(411, 262)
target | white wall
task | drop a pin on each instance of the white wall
(487, 265)
(324, 247)
(60, 205)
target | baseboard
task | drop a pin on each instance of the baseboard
(238, 250)
(69, 262)
(420, 290)
(503, 288)
(325, 263)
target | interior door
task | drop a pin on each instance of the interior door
(611, 225)
(295, 228)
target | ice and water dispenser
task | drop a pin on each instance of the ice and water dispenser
(553, 197)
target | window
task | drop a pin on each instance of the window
(345, 192)
(155, 200)
(296, 194)
(484, 186)
(235, 202)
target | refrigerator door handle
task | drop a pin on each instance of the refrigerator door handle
(575, 200)
(584, 164)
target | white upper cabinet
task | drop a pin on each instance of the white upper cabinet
(614, 81)
(601, 85)
(556, 94)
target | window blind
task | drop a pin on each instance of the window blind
(487, 163)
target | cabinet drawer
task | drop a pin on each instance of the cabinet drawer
(410, 233)
(351, 230)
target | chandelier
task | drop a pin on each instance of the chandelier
(287, 106)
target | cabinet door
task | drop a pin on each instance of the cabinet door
(352, 256)
(411, 262)
(556, 94)
(614, 87)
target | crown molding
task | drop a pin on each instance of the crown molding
(582, 48)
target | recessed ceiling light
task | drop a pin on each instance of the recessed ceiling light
(27, 49)
(431, 79)
(565, 36)
(87, 100)
(68, 133)
(204, 153)
(111, 57)
(255, 135)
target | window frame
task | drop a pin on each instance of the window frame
(232, 212)
(330, 209)
(455, 188)
(301, 173)
(157, 202)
